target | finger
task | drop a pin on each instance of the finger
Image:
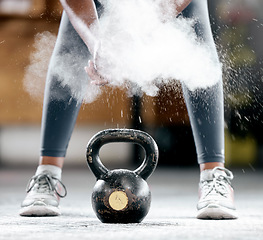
(101, 82)
(94, 76)
(90, 70)
(92, 73)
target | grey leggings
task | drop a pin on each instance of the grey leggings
(60, 110)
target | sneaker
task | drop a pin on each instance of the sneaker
(216, 195)
(43, 195)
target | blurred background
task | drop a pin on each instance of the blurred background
(237, 26)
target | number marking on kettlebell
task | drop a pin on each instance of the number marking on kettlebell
(118, 200)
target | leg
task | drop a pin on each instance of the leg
(60, 110)
(205, 106)
(65, 88)
(61, 101)
(206, 113)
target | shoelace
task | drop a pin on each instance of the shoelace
(45, 182)
(219, 182)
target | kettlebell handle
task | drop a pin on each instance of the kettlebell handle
(122, 135)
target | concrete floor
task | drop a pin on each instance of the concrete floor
(172, 213)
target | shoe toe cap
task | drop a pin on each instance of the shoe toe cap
(40, 202)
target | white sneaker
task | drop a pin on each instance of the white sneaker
(216, 196)
(43, 195)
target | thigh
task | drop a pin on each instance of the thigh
(67, 63)
(198, 10)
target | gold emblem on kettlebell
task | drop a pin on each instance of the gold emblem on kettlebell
(118, 200)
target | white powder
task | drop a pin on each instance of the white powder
(141, 47)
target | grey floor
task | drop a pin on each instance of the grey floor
(172, 213)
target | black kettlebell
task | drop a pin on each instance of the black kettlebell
(121, 196)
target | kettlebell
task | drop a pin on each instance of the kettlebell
(121, 195)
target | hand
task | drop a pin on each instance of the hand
(95, 77)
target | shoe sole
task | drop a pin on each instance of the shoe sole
(39, 211)
(213, 211)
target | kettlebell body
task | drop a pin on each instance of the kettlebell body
(121, 195)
